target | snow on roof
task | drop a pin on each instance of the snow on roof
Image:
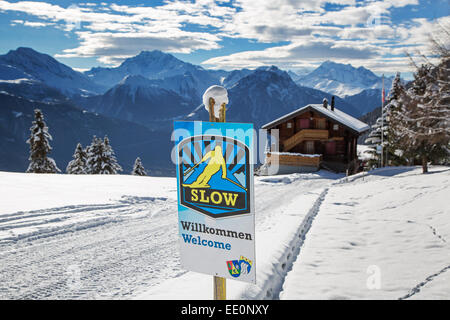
(336, 115)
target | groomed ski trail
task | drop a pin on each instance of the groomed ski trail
(106, 255)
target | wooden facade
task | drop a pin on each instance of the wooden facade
(294, 159)
(310, 131)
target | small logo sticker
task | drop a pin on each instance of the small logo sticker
(238, 267)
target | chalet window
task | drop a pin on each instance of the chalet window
(304, 123)
(321, 124)
(335, 127)
(309, 147)
(289, 125)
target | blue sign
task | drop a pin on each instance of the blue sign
(215, 197)
(214, 172)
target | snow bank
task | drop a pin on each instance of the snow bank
(385, 235)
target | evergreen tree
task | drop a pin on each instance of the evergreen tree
(78, 164)
(109, 161)
(378, 138)
(138, 168)
(93, 153)
(374, 141)
(101, 158)
(40, 147)
(393, 106)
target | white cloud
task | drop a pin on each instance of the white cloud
(32, 24)
(356, 32)
(111, 48)
(124, 31)
(297, 55)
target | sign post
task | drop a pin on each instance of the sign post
(215, 197)
(219, 283)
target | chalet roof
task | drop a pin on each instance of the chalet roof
(336, 115)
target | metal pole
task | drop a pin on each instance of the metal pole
(219, 283)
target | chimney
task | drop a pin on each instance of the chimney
(332, 103)
(325, 103)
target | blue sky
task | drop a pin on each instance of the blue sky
(295, 35)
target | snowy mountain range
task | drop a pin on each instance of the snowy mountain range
(155, 65)
(151, 90)
(26, 63)
(140, 100)
(266, 94)
(343, 79)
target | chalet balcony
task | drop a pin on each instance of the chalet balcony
(303, 135)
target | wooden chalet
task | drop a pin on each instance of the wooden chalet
(314, 136)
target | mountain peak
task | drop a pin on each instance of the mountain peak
(155, 52)
(272, 70)
(340, 79)
(25, 50)
(145, 54)
(34, 65)
(328, 64)
(28, 53)
(146, 58)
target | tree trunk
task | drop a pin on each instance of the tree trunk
(424, 164)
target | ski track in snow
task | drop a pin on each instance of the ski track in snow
(385, 174)
(120, 249)
(116, 250)
(295, 246)
(433, 229)
(430, 278)
(418, 288)
(107, 257)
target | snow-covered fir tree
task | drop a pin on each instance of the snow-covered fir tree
(110, 164)
(138, 168)
(394, 103)
(40, 147)
(101, 158)
(93, 155)
(374, 140)
(378, 138)
(78, 164)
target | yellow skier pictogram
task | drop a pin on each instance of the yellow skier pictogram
(215, 163)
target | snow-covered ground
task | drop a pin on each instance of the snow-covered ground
(384, 236)
(318, 235)
(70, 236)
